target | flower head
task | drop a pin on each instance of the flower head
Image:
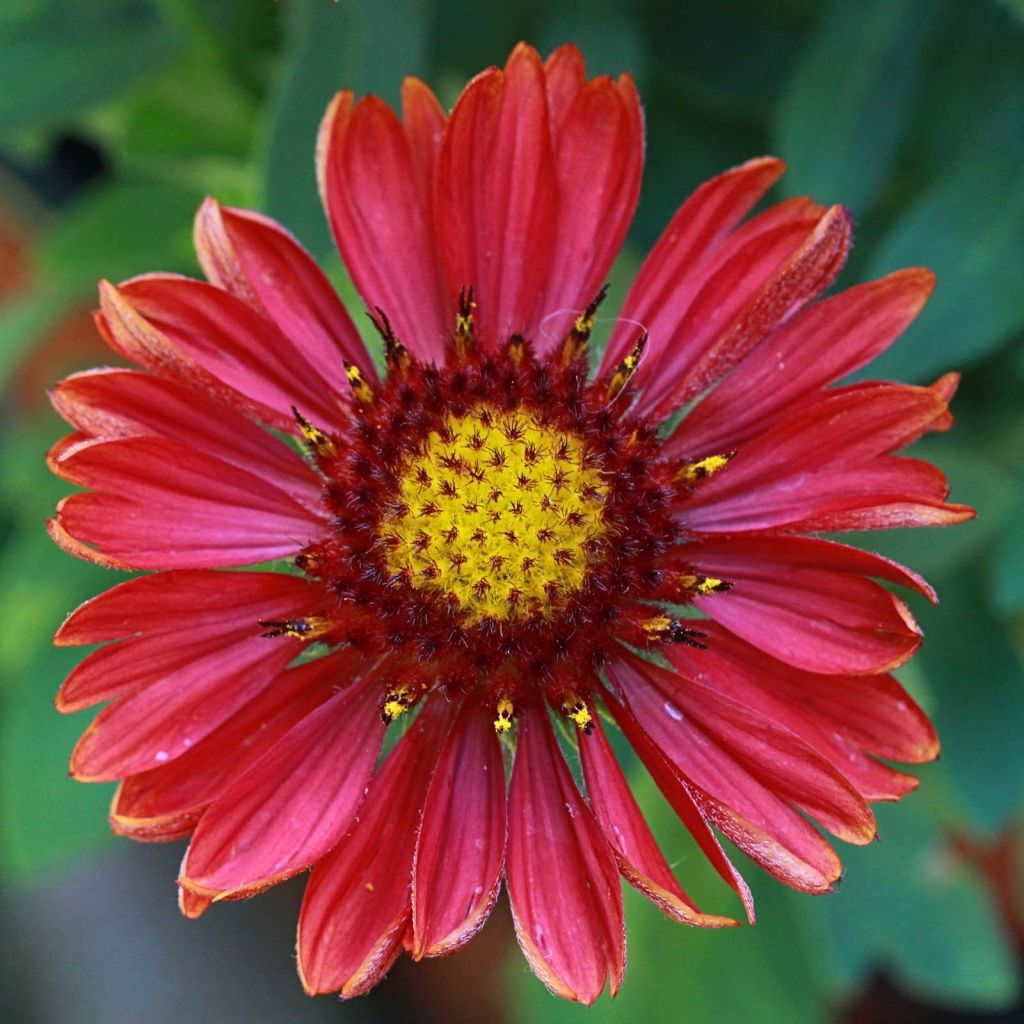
(491, 551)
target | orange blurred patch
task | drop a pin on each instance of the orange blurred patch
(68, 344)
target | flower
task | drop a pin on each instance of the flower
(486, 547)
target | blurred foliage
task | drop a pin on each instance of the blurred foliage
(911, 112)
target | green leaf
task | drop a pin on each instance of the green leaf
(45, 817)
(908, 906)
(843, 114)
(365, 45)
(22, 323)
(193, 111)
(974, 72)
(1008, 562)
(733, 51)
(611, 37)
(1015, 7)
(977, 680)
(118, 231)
(63, 56)
(967, 229)
(676, 973)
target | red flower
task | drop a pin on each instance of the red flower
(489, 535)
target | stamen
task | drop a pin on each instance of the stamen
(397, 702)
(319, 442)
(662, 627)
(516, 348)
(362, 390)
(575, 343)
(625, 370)
(464, 321)
(503, 723)
(396, 355)
(308, 628)
(703, 584)
(703, 468)
(382, 324)
(575, 707)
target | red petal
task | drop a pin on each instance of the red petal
(202, 603)
(878, 494)
(805, 601)
(564, 74)
(762, 287)
(762, 750)
(623, 824)
(786, 697)
(356, 908)
(217, 343)
(809, 552)
(166, 802)
(188, 623)
(874, 713)
(821, 344)
(256, 259)
(603, 132)
(745, 752)
(697, 228)
(163, 505)
(824, 460)
(563, 883)
(680, 794)
(191, 905)
(495, 205)
(460, 851)
(375, 203)
(161, 721)
(946, 386)
(747, 771)
(293, 805)
(424, 120)
(118, 403)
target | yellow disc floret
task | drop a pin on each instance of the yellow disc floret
(494, 514)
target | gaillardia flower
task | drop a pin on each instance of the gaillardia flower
(477, 553)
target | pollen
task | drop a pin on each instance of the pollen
(396, 704)
(495, 513)
(702, 468)
(703, 585)
(503, 721)
(575, 708)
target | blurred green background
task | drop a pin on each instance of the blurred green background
(117, 116)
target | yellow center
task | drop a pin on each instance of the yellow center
(494, 514)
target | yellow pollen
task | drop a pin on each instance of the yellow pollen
(319, 441)
(703, 584)
(694, 471)
(576, 709)
(662, 628)
(624, 371)
(362, 391)
(504, 720)
(494, 513)
(396, 704)
(657, 626)
(575, 343)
